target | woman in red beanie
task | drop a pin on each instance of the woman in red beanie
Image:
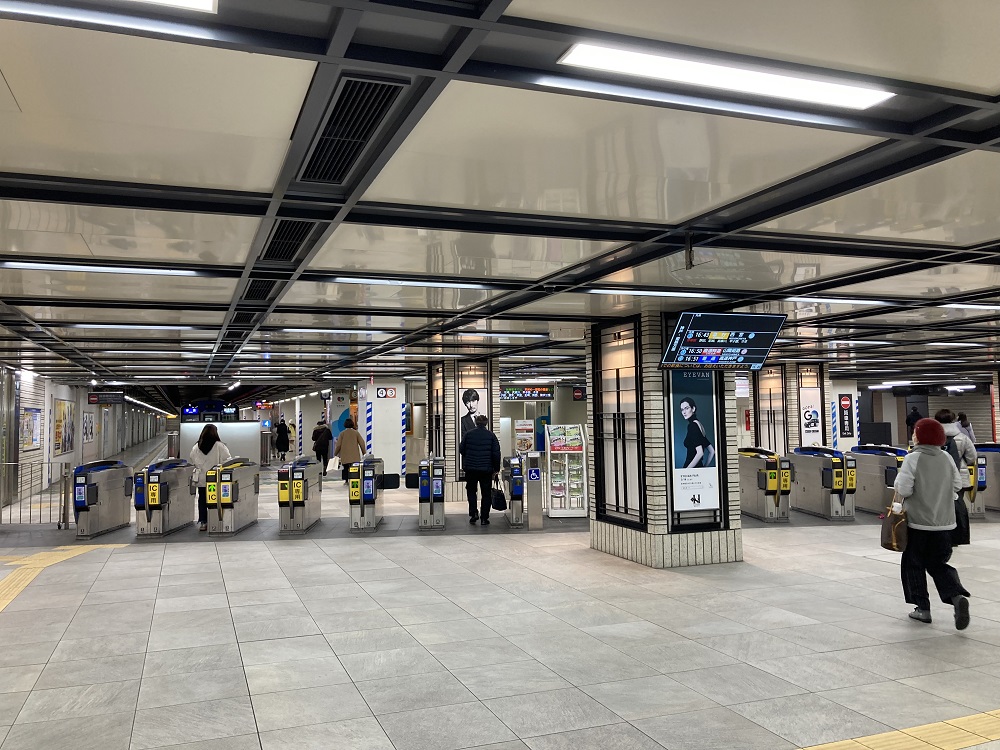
(928, 481)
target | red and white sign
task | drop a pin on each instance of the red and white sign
(845, 402)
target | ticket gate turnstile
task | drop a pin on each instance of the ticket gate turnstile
(102, 493)
(430, 498)
(765, 484)
(824, 483)
(300, 499)
(232, 493)
(164, 498)
(877, 467)
(364, 492)
(976, 491)
(513, 479)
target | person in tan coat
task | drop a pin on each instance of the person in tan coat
(350, 447)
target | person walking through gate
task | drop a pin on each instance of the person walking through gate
(322, 437)
(911, 419)
(350, 446)
(209, 451)
(480, 451)
(927, 482)
(281, 439)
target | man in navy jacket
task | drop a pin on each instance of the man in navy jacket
(480, 451)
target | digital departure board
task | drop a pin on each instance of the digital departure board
(721, 341)
(527, 392)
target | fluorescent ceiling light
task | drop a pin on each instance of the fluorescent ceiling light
(655, 293)
(396, 282)
(960, 387)
(727, 77)
(860, 341)
(234, 385)
(879, 387)
(500, 335)
(835, 301)
(963, 306)
(129, 327)
(27, 266)
(960, 344)
(328, 330)
(145, 405)
(891, 383)
(205, 6)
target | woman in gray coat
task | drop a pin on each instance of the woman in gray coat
(927, 482)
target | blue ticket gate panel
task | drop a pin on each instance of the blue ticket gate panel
(102, 493)
(431, 495)
(164, 498)
(300, 488)
(513, 476)
(364, 493)
(232, 492)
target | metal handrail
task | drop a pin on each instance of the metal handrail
(36, 493)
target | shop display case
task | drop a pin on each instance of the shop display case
(567, 455)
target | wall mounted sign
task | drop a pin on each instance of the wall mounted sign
(106, 397)
(527, 392)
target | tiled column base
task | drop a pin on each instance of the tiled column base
(667, 550)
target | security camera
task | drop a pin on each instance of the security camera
(325, 395)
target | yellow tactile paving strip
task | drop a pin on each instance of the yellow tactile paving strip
(29, 567)
(953, 734)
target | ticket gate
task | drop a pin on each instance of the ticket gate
(300, 499)
(232, 492)
(975, 493)
(364, 492)
(765, 483)
(430, 495)
(164, 498)
(824, 483)
(513, 479)
(102, 493)
(877, 467)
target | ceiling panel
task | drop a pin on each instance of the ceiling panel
(749, 270)
(43, 314)
(940, 281)
(322, 320)
(571, 303)
(365, 248)
(507, 149)
(406, 297)
(122, 107)
(944, 42)
(955, 201)
(803, 310)
(154, 337)
(928, 315)
(76, 284)
(318, 338)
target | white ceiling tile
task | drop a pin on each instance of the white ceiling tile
(506, 149)
(362, 295)
(943, 42)
(112, 287)
(954, 201)
(364, 248)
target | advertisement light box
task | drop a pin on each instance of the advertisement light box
(721, 341)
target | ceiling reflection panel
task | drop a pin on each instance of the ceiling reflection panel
(323, 320)
(363, 248)
(314, 339)
(845, 35)
(507, 149)
(320, 294)
(46, 314)
(570, 303)
(955, 201)
(749, 270)
(82, 285)
(940, 281)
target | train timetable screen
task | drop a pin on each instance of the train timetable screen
(721, 341)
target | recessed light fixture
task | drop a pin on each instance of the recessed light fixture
(879, 387)
(963, 306)
(955, 344)
(205, 6)
(19, 265)
(397, 282)
(836, 301)
(726, 77)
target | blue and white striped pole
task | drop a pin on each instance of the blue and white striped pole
(833, 423)
(368, 425)
(402, 438)
(298, 408)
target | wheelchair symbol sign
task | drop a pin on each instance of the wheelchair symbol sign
(534, 475)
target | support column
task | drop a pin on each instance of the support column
(658, 544)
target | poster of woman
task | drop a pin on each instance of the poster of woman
(693, 439)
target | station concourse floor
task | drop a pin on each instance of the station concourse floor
(500, 641)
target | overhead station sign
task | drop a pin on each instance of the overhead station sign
(106, 397)
(527, 392)
(721, 341)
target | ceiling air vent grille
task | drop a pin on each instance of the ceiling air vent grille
(258, 289)
(243, 318)
(287, 240)
(359, 110)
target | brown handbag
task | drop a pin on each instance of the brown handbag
(894, 528)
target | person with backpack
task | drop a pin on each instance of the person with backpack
(966, 426)
(963, 453)
(927, 481)
(480, 452)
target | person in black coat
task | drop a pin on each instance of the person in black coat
(322, 437)
(480, 452)
(281, 435)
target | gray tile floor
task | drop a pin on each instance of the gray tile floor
(493, 641)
